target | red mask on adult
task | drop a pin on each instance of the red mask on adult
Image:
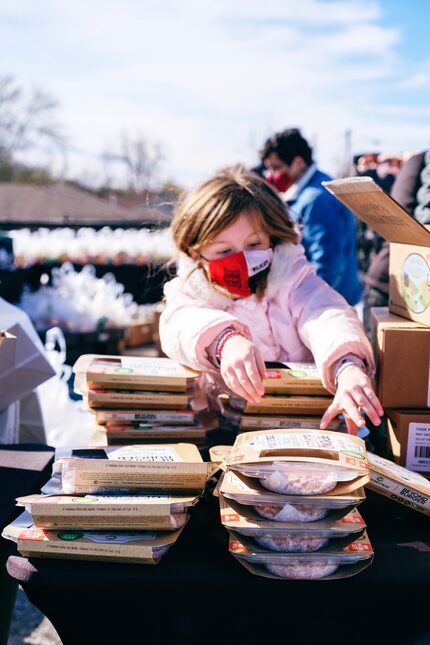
(280, 180)
(234, 271)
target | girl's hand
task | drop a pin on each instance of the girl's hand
(242, 368)
(354, 393)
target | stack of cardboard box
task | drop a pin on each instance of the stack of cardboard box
(294, 398)
(288, 499)
(126, 504)
(402, 348)
(401, 333)
(142, 399)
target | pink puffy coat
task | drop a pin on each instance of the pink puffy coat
(299, 318)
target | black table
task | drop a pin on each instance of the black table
(199, 594)
(24, 469)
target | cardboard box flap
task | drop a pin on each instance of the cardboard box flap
(378, 210)
(384, 319)
(24, 364)
(5, 335)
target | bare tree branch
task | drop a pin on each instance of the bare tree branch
(27, 118)
(141, 159)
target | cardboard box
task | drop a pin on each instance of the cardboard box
(409, 438)
(151, 468)
(131, 373)
(276, 404)
(409, 288)
(399, 484)
(138, 512)
(139, 333)
(143, 547)
(402, 353)
(23, 361)
(293, 378)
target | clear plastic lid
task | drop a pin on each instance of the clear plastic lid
(298, 477)
(290, 541)
(291, 513)
(349, 555)
(326, 502)
(299, 530)
(302, 570)
(159, 552)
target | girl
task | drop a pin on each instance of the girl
(245, 294)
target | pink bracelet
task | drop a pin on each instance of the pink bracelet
(224, 339)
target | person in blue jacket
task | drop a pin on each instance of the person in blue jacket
(328, 229)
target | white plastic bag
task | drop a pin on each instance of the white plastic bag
(66, 422)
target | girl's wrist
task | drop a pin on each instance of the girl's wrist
(214, 348)
(347, 361)
(221, 343)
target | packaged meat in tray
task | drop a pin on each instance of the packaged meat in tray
(328, 563)
(290, 536)
(95, 512)
(142, 547)
(301, 461)
(150, 468)
(288, 508)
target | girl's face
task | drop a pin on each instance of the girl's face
(245, 234)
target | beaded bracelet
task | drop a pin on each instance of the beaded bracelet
(224, 339)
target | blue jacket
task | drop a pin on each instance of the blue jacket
(328, 236)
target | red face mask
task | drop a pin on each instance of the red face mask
(234, 271)
(280, 180)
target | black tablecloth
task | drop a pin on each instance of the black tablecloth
(199, 593)
(23, 469)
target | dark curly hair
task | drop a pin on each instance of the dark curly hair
(287, 145)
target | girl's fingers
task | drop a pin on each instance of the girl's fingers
(260, 364)
(331, 412)
(254, 376)
(365, 404)
(235, 387)
(370, 394)
(351, 409)
(242, 385)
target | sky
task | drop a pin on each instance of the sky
(210, 81)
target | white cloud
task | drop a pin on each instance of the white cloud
(211, 80)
